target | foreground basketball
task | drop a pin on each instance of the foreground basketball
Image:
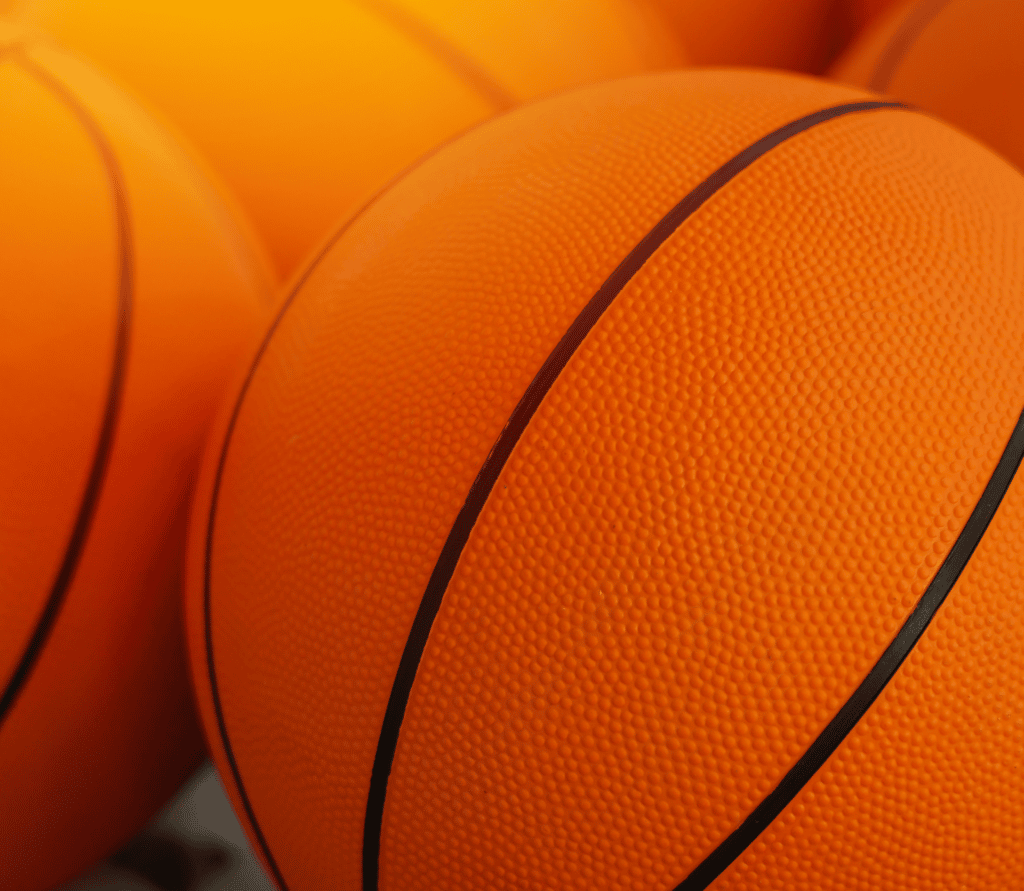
(306, 108)
(626, 500)
(127, 292)
(794, 34)
(959, 59)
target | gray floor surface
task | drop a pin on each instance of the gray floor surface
(195, 844)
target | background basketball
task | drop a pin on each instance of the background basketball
(794, 34)
(307, 108)
(958, 59)
(857, 14)
(577, 516)
(129, 290)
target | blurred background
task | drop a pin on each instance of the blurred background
(195, 844)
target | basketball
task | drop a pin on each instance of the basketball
(856, 14)
(792, 34)
(957, 59)
(851, 17)
(626, 499)
(130, 291)
(307, 108)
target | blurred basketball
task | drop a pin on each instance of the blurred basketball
(793, 34)
(307, 108)
(586, 517)
(958, 59)
(129, 292)
(858, 13)
(851, 17)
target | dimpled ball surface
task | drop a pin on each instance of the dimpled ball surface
(959, 60)
(721, 513)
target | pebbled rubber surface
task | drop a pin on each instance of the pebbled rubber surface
(517, 424)
(927, 791)
(716, 521)
(589, 645)
(958, 59)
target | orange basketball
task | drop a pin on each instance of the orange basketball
(796, 34)
(129, 291)
(959, 59)
(851, 17)
(858, 13)
(623, 501)
(306, 108)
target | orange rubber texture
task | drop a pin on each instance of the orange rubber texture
(957, 59)
(942, 742)
(718, 518)
(307, 108)
(130, 291)
(793, 34)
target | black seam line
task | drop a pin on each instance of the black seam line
(502, 449)
(218, 707)
(101, 457)
(211, 670)
(900, 43)
(880, 675)
(446, 52)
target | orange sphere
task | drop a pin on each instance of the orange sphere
(129, 292)
(859, 13)
(796, 34)
(959, 59)
(853, 16)
(575, 519)
(306, 108)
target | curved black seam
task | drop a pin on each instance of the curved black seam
(880, 675)
(513, 430)
(211, 671)
(900, 43)
(101, 456)
(474, 75)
